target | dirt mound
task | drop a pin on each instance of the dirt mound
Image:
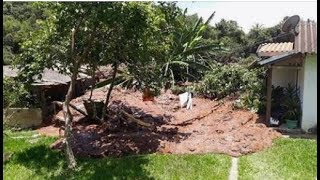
(210, 126)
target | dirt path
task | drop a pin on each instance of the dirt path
(209, 127)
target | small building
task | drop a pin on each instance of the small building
(52, 86)
(295, 63)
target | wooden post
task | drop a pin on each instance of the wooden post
(269, 89)
(43, 102)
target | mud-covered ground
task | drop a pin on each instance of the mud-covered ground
(210, 126)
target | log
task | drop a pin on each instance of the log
(129, 116)
(75, 108)
(190, 121)
(138, 121)
(72, 106)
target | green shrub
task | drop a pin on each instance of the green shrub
(15, 94)
(223, 80)
(292, 103)
(7, 55)
(182, 89)
(253, 96)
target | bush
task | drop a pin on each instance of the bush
(253, 96)
(223, 80)
(7, 55)
(181, 89)
(15, 94)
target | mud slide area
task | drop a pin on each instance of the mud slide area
(210, 126)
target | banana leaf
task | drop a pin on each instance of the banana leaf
(200, 49)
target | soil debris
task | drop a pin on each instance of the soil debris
(210, 126)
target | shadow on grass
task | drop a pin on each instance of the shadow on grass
(48, 163)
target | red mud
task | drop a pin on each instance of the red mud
(210, 126)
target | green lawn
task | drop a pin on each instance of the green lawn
(286, 159)
(33, 159)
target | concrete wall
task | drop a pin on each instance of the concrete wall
(281, 76)
(22, 117)
(309, 108)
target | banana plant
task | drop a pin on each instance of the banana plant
(185, 46)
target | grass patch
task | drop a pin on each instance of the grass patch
(286, 159)
(33, 159)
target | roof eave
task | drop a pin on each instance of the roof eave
(277, 58)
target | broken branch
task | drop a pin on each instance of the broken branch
(138, 121)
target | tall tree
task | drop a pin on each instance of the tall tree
(19, 18)
(259, 34)
(80, 33)
(185, 43)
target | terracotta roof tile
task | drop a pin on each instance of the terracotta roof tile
(271, 49)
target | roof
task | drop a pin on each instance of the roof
(49, 76)
(277, 58)
(306, 40)
(271, 49)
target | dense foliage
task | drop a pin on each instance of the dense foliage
(19, 19)
(157, 43)
(16, 94)
(238, 79)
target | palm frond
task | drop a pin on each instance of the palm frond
(180, 63)
(210, 18)
(185, 11)
(201, 48)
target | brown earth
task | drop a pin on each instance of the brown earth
(210, 126)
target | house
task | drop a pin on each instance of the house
(296, 63)
(52, 86)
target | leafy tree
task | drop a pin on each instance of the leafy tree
(90, 33)
(19, 18)
(259, 34)
(185, 33)
(229, 33)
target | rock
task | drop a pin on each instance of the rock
(248, 135)
(219, 131)
(261, 125)
(237, 140)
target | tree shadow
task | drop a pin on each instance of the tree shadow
(51, 164)
(119, 137)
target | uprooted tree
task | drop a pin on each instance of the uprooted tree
(92, 33)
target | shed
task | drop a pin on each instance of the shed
(53, 86)
(296, 63)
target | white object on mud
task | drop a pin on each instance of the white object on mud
(274, 121)
(185, 100)
(189, 104)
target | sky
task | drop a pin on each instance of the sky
(247, 13)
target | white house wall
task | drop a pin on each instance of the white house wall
(282, 76)
(309, 107)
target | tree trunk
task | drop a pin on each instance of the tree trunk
(68, 120)
(93, 81)
(66, 111)
(115, 68)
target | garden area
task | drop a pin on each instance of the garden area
(141, 90)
